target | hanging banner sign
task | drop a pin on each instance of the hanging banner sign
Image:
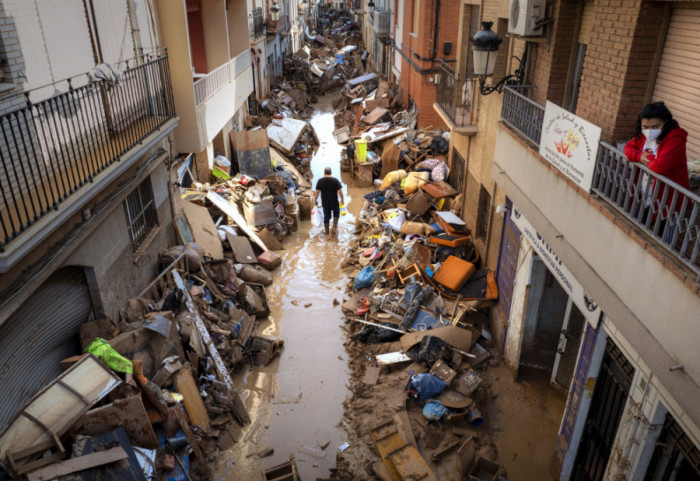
(570, 144)
(588, 307)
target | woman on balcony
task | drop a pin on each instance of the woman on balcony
(659, 144)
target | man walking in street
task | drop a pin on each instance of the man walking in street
(329, 188)
(365, 54)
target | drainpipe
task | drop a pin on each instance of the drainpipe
(435, 34)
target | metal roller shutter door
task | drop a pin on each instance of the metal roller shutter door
(678, 79)
(38, 335)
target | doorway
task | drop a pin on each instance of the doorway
(552, 329)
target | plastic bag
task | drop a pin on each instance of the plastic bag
(395, 218)
(316, 217)
(365, 278)
(424, 386)
(433, 411)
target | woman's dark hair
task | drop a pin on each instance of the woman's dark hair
(657, 110)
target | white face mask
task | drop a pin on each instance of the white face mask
(651, 134)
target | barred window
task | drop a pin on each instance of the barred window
(141, 215)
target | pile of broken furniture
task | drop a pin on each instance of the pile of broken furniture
(151, 394)
(418, 330)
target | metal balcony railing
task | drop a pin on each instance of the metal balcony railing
(206, 87)
(382, 22)
(256, 24)
(662, 209)
(523, 114)
(51, 148)
(454, 95)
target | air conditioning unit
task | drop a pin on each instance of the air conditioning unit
(524, 15)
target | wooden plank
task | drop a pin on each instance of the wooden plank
(232, 211)
(411, 465)
(239, 408)
(184, 384)
(80, 463)
(203, 229)
(242, 250)
(191, 438)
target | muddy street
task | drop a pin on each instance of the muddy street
(296, 403)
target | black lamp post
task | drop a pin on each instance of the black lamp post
(275, 12)
(370, 6)
(485, 47)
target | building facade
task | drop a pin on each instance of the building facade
(87, 114)
(598, 277)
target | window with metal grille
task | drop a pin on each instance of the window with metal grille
(675, 456)
(141, 215)
(484, 213)
(456, 176)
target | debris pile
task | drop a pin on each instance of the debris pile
(151, 393)
(417, 315)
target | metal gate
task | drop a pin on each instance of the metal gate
(607, 406)
(43, 331)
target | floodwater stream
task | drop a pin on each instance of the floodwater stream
(296, 403)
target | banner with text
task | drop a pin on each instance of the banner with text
(588, 307)
(570, 144)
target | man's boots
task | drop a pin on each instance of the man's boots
(325, 227)
(334, 229)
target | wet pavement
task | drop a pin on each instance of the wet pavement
(296, 403)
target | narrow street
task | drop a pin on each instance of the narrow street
(296, 403)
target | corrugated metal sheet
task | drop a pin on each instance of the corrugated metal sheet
(38, 335)
(678, 79)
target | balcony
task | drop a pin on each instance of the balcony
(382, 22)
(666, 212)
(256, 24)
(208, 86)
(52, 148)
(454, 99)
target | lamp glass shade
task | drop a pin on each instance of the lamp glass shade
(275, 12)
(484, 62)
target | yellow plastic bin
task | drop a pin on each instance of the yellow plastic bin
(361, 150)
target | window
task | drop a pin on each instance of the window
(575, 81)
(416, 16)
(484, 213)
(141, 215)
(456, 176)
(675, 456)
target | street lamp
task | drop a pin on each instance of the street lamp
(370, 6)
(275, 12)
(485, 47)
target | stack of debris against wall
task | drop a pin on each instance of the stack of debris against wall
(151, 394)
(417, 311)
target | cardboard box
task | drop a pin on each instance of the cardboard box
(484, 470)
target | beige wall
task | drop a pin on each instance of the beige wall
(239, 38)
(215, 33)
(645, 301)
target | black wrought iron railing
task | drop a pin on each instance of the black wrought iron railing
(522, 114)
(454, 95)
(666, 212)
(256, 24)
(51, 148)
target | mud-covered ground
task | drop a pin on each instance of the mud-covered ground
(312, 401)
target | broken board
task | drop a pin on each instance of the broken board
(232, 211)
(285, 133)
(270, 240)
(242, 250)
(252, 152)
(455, 336)
(79, 463)
(204, 230)
(362, 78)
(129, 413)
(184, 384)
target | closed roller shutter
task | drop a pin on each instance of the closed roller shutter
(38, 335)
(678, 80)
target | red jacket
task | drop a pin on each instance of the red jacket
(671, 160)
